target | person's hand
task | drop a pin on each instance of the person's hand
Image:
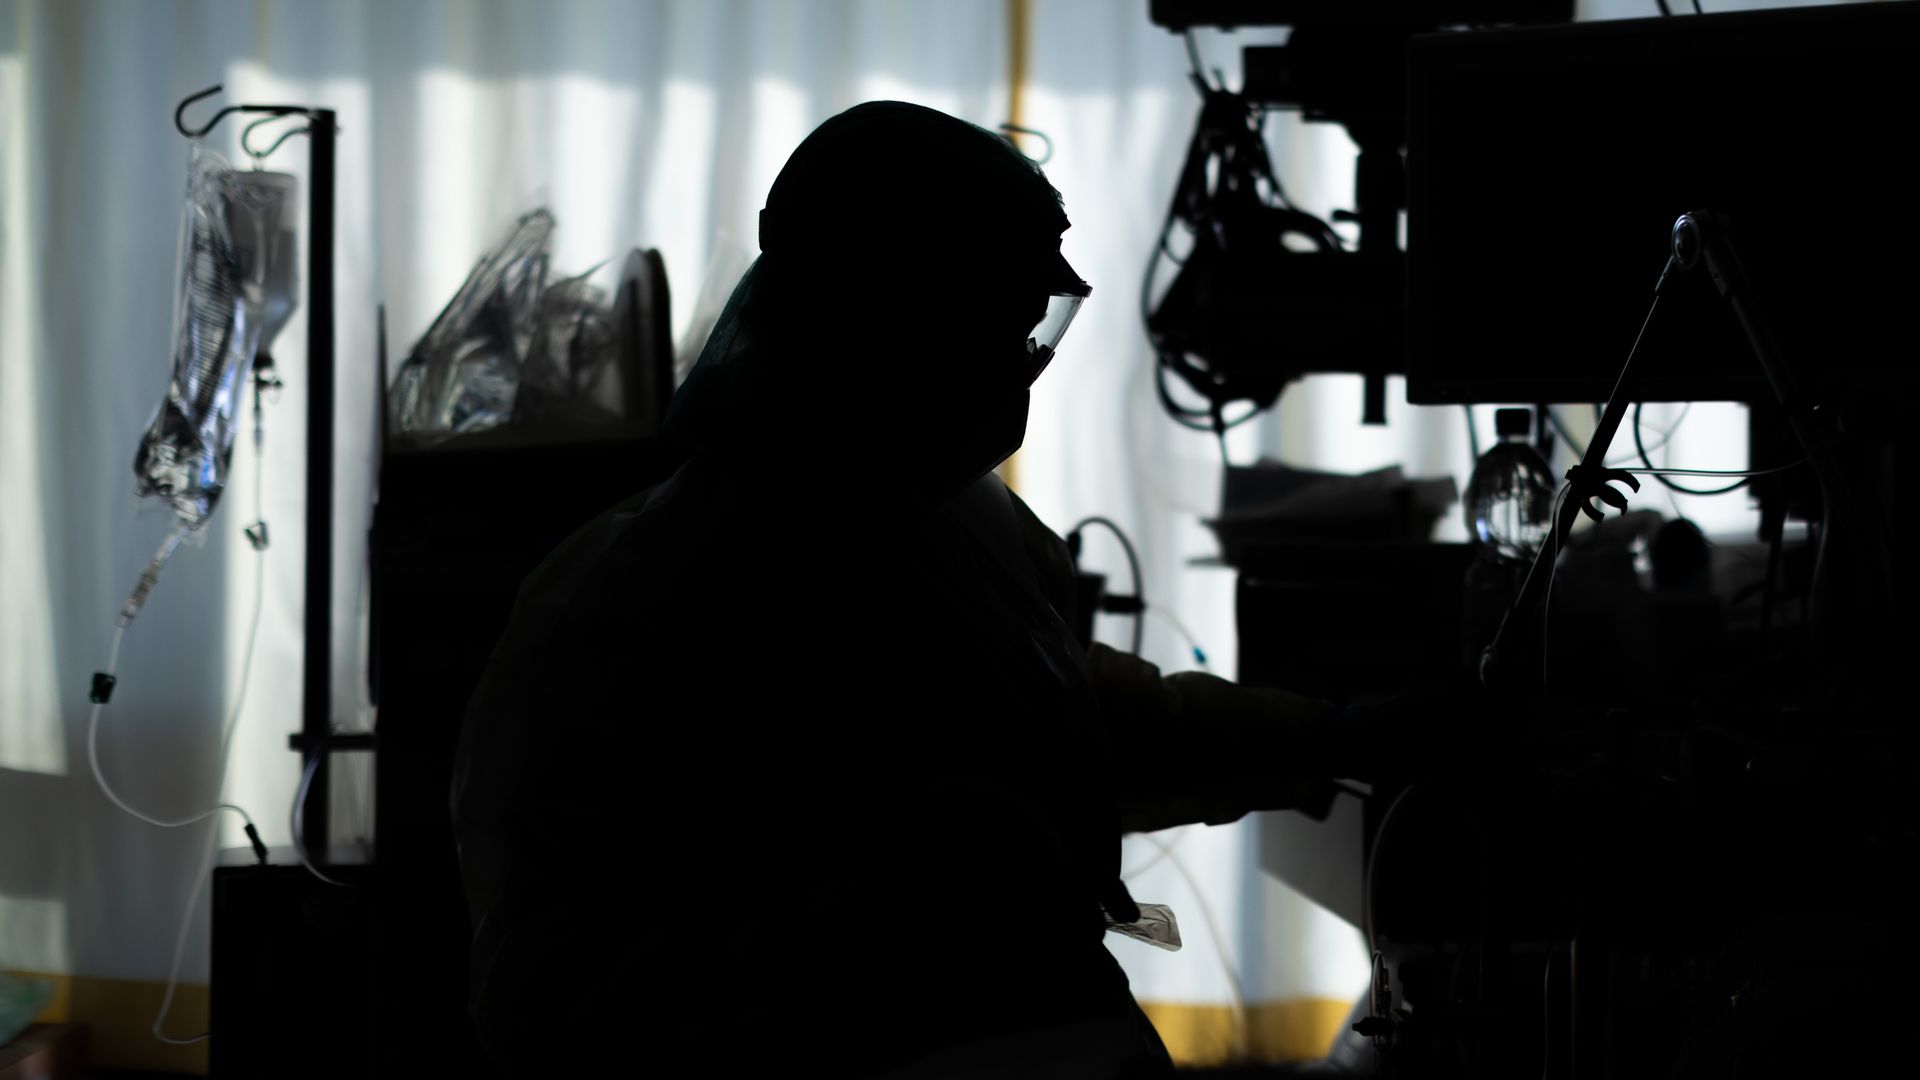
(1193, 747)
(1432, 727)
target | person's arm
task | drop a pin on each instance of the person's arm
(1195, 748)
(1192, 747)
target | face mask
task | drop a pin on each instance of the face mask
(977, 450)
(990, 431)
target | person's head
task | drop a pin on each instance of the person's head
(909, 260)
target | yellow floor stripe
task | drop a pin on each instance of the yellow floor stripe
(1300, 1029)
(119, 1012)
(119, 1017)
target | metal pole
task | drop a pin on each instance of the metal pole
(316, 711)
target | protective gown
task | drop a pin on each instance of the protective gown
(777, 770)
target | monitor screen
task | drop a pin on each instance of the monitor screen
(1546, 167)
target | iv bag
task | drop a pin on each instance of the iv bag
(228, 232)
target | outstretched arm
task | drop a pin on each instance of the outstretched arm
(1194, 747)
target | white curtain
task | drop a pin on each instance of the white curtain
(650, 124)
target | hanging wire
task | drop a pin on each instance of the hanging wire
(1717, 472)
(1246, 152)
(1643, 454)
(1161, 851)
(1546, 613)
(1658, 474)
(1239, 999)
(1666, 436)
(1193, 643)
(99, 776)
(1133, 564)
(1368, 876)
(300, 804)
(213, 829)
(233, 718)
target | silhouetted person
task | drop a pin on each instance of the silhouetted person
(791, 764)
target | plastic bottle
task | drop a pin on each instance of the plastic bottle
(1509, 515)
(1510, 498)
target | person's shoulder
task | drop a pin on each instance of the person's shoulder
(628, 555)
(1049, 553)
(1033, 531)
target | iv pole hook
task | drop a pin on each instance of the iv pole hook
(180, 112)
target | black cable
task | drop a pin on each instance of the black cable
(1165, 235)
(1553, 563)
(1665, 436)
(1162, 360)
(1229, 138)
(1371, 866)
(1645, 459)
(1664, 9)
(1473, 433)
(1191, 418)
(1697, 9)
(1133, 564)
(1279, 193)
(1187, 415)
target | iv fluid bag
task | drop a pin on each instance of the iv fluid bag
(228, 232)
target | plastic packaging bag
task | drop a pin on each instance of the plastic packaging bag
(465, 372)
(228, 230)
(572, 359)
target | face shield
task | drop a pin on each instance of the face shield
(1066, 292)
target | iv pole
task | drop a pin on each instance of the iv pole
(1700, 237)
(315, 741)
